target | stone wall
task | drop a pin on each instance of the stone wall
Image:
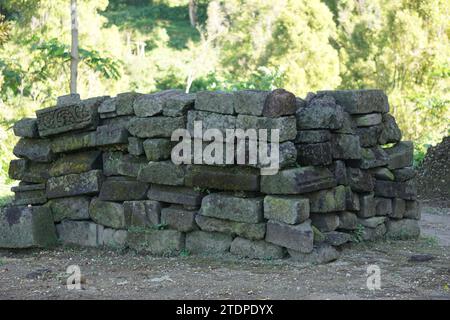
(99, 172)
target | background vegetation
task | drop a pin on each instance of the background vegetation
(400, 46)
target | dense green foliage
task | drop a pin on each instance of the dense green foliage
(400, 46)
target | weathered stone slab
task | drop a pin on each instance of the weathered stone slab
(178, 218)
(224, 178)
(54, 120)
(38, 150)
(297, 180)
(403, 229)
(117, 121)
(383, 206)
(250, 102)
(76, 163)
(81, 233)
(111, 162)
(325, 222)
(68, 100)
(313, 136)
(360, 180)
(287, 155)
(336, 238)
(177, 195)
(73, 208)
(110, 135)
(279, 103)
(74, 184)
(156, 242)
(373, 157)
(149, 105)
(351, 200)
(135, 146)
(372, 222)
(258, 249)
(382, 174)
(290, 210)
(122, 189)
(345, 146)
(389, 189)
(29, 194)
(400, 155)
(297, 237)
(108, 107)
(367, 120)
(163, 172)
(286, 125)
(108, 214)
(26, 128)
(224, 206)
(28, 171)
(404, 174)
(210, 120)
(155, 127)
(179, 105)
(315, 154)
(157, 149)
(72, 142)
(329, 200)
(208, 242)
(215, 101)
(26, 227)
(339, 171)
(125, 102)
(347, 220)
(368, 136)
(253, 231)
(398, 208)
(322, 253)
(321, 112)
(413, 210)
(348, 125)
(367, 204)
(114, 238)
(360, 101)
(142, 213)
(374, 234)
(390, 132)
(131, 165)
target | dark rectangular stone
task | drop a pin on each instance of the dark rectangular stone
(298, 180)
(174, 194)
(76, 163)
(75, 184)
(29, 194)
(224, 178)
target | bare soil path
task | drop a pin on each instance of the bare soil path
(40, 274)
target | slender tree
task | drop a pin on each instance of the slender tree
(74, 57)
(193, 12)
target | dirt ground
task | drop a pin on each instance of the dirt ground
(40, 274)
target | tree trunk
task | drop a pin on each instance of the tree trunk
(193, 12)
(74, 57)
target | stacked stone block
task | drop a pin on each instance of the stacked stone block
(99, 172)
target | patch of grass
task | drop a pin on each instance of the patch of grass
(358, 233)
(185, 253)
(430, 240)
(2, 262)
